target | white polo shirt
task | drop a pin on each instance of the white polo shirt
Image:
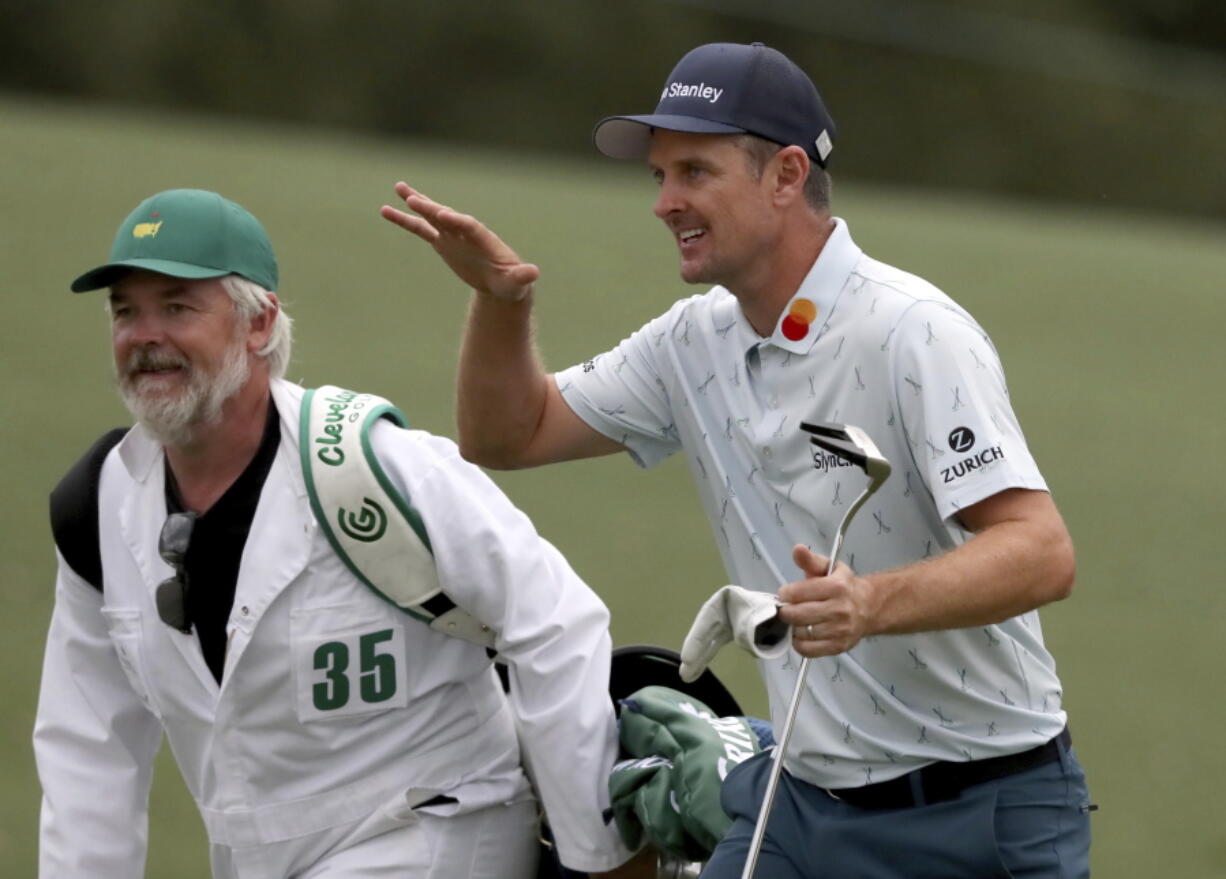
(865, 344)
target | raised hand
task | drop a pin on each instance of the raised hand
(478, 257)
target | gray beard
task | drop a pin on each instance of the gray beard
(175, 420)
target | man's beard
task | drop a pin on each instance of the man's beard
(174, 418)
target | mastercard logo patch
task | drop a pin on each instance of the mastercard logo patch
(795, 325)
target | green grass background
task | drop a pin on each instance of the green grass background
(1109, 325)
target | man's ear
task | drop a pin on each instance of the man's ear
(261, 325)
(790, 171)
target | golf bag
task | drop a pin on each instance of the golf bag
(633, 668)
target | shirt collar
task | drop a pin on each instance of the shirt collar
(805, 316)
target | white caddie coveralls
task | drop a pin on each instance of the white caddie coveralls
(335, 710)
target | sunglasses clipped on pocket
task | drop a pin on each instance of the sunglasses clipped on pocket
(173, 542)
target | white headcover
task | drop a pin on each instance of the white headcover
(734, 614)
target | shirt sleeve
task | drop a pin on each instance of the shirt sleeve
(552, 630)
(951, 394)
(622, 393)
(94, 746)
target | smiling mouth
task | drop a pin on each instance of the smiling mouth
(155, 371)
(688, 236)
(154, 367)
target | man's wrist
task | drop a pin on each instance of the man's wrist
(521, 297)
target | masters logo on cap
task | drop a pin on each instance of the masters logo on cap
(187, 233)
(144, 230)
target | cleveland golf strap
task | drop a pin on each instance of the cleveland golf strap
(373, 527)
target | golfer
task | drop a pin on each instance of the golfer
(931, 741)
(321, 730)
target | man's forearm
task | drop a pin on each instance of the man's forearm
(1020, 558)
(501, 384)
(1008, 569)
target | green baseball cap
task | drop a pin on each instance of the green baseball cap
(187, 233)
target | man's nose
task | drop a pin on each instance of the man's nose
(668, 200)
(144, 329)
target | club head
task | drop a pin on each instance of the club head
(849, 443)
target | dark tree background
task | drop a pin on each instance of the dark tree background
(1110, 101)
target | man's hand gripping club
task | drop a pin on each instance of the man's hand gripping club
(828, 613)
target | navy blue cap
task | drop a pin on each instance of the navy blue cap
(729, 88)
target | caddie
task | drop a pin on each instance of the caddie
(321, 729)
(932, 741)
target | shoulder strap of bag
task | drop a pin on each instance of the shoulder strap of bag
(374, 529)
(74, 510)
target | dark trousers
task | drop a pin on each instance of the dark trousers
(1031, 824)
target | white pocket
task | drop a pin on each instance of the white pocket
(125, 625)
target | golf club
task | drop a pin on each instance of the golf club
(851, 444)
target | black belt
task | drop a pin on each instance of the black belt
(945, 781)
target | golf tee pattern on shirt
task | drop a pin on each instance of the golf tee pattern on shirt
(865, 344)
